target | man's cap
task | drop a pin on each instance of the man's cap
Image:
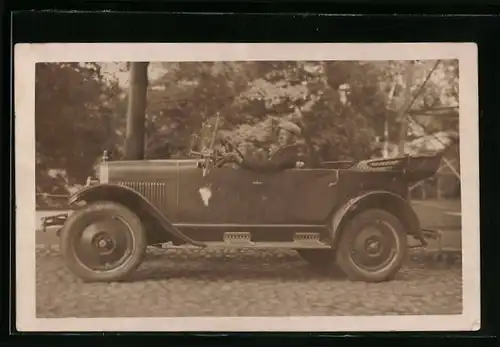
(290, 127)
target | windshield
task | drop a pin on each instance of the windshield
(204, 141)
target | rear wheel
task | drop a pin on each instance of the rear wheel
(372, 246)
(103, 241)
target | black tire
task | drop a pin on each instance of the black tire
(393, 241)
(321, 259)
(98, 214)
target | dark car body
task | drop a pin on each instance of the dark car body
(267, 207)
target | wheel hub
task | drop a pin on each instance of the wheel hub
(372, 246)
(104, 243)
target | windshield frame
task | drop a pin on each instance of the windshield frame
(203, 142)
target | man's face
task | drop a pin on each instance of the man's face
(284, 137)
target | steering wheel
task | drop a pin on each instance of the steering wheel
(230, 147)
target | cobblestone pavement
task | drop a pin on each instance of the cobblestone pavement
(190, 282)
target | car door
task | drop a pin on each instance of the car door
(224, 196)
(238, 193)
(269, 201)
(309, 195)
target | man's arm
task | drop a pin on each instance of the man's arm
(284, 158)
(259, 165)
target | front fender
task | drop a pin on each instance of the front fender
(388, 201)
(131, 199)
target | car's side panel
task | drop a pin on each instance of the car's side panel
(241, 202)
(225, 195)
(269, 201)
(309, 195)
(355, 182)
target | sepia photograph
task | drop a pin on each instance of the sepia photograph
(247, 187)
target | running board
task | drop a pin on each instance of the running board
(244, 240)
(268, 245)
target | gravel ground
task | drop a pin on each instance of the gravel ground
(180, 282)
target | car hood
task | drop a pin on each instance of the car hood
(146, 170)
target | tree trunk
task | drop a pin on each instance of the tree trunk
(136, 113)
(403, 130)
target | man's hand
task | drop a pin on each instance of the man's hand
(237, 158)
(300, 164)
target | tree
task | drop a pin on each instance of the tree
(408, 80)
(74, 108)
(136, 114)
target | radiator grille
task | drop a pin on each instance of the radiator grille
(155, 192)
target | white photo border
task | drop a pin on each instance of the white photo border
(27, 55)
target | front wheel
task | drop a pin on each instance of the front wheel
(372, 246)
(103, 242)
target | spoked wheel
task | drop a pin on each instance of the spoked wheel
(103, 241)
(372, 247)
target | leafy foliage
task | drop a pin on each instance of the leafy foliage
(74, 122)
(79, 112)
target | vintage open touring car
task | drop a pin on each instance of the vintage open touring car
(352, 214)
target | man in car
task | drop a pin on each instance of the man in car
(288, 155)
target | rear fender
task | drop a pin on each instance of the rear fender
(134, 201)
(387, 201)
